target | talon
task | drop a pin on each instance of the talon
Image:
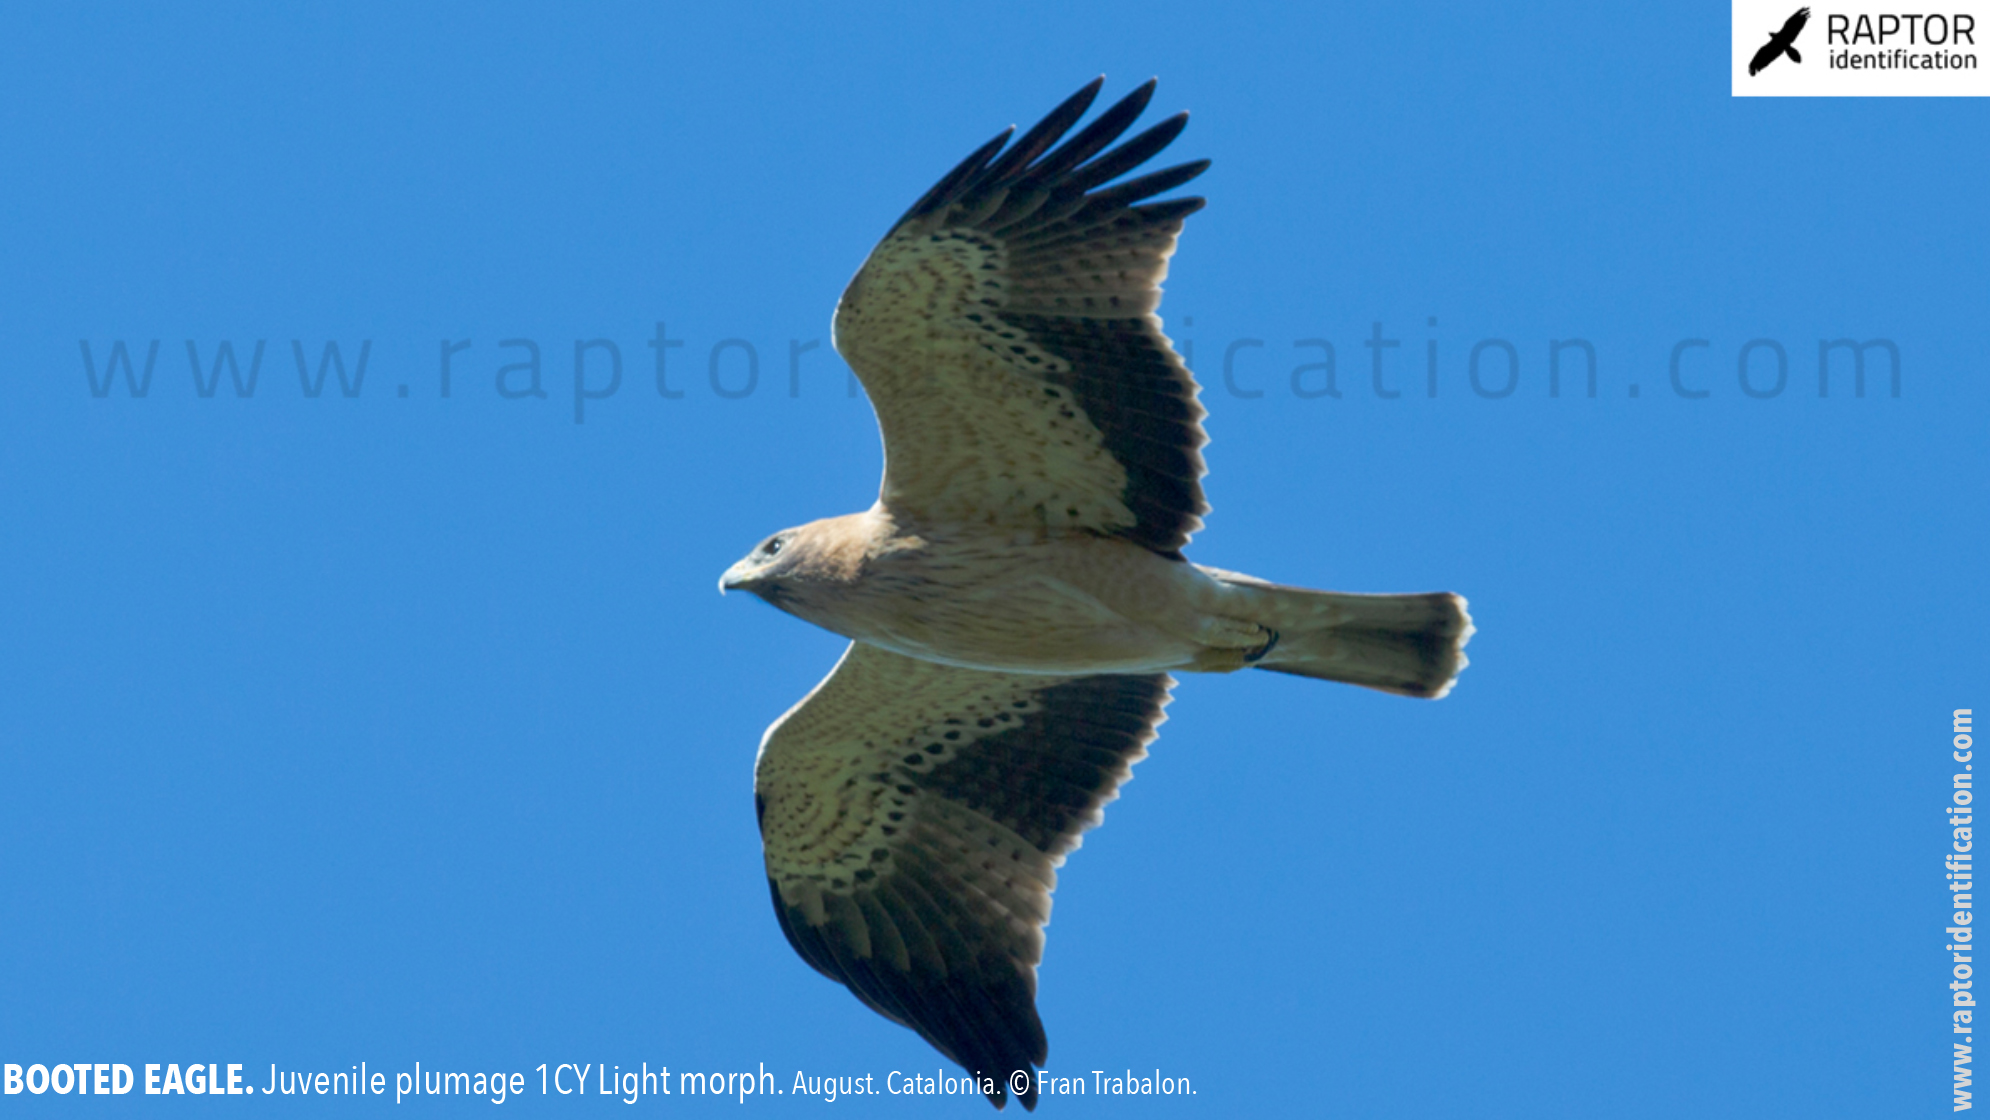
(1256, 655)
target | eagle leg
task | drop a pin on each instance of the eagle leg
(1230, 644)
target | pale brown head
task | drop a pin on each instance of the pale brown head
(796, 566)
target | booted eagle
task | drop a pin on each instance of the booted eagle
(1017, 597)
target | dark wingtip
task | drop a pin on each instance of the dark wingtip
(961, 173)
(1000, 1097)
(1049, 177)
(1139, 96)
(1040, 137)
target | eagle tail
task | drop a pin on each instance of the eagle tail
(1792, 52)
(1411, 645)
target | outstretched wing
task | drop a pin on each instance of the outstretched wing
(1764, 57)
(1005, 331)
(1780, 42)
(914, 815)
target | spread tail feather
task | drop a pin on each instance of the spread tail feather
(1411, 645)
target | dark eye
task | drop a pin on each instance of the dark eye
(772, 547)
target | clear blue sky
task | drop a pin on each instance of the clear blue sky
(397, 729)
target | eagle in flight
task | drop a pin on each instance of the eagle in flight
(1017, 597)
(1780, 43)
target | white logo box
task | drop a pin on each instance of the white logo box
(1900, 48)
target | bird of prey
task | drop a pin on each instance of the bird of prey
(1017, 597)
(1780, 43)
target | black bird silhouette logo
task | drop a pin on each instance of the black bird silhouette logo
(1780, 43)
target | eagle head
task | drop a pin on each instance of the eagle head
(795, 566)
(765, 570)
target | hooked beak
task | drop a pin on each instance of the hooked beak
(735, 579)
